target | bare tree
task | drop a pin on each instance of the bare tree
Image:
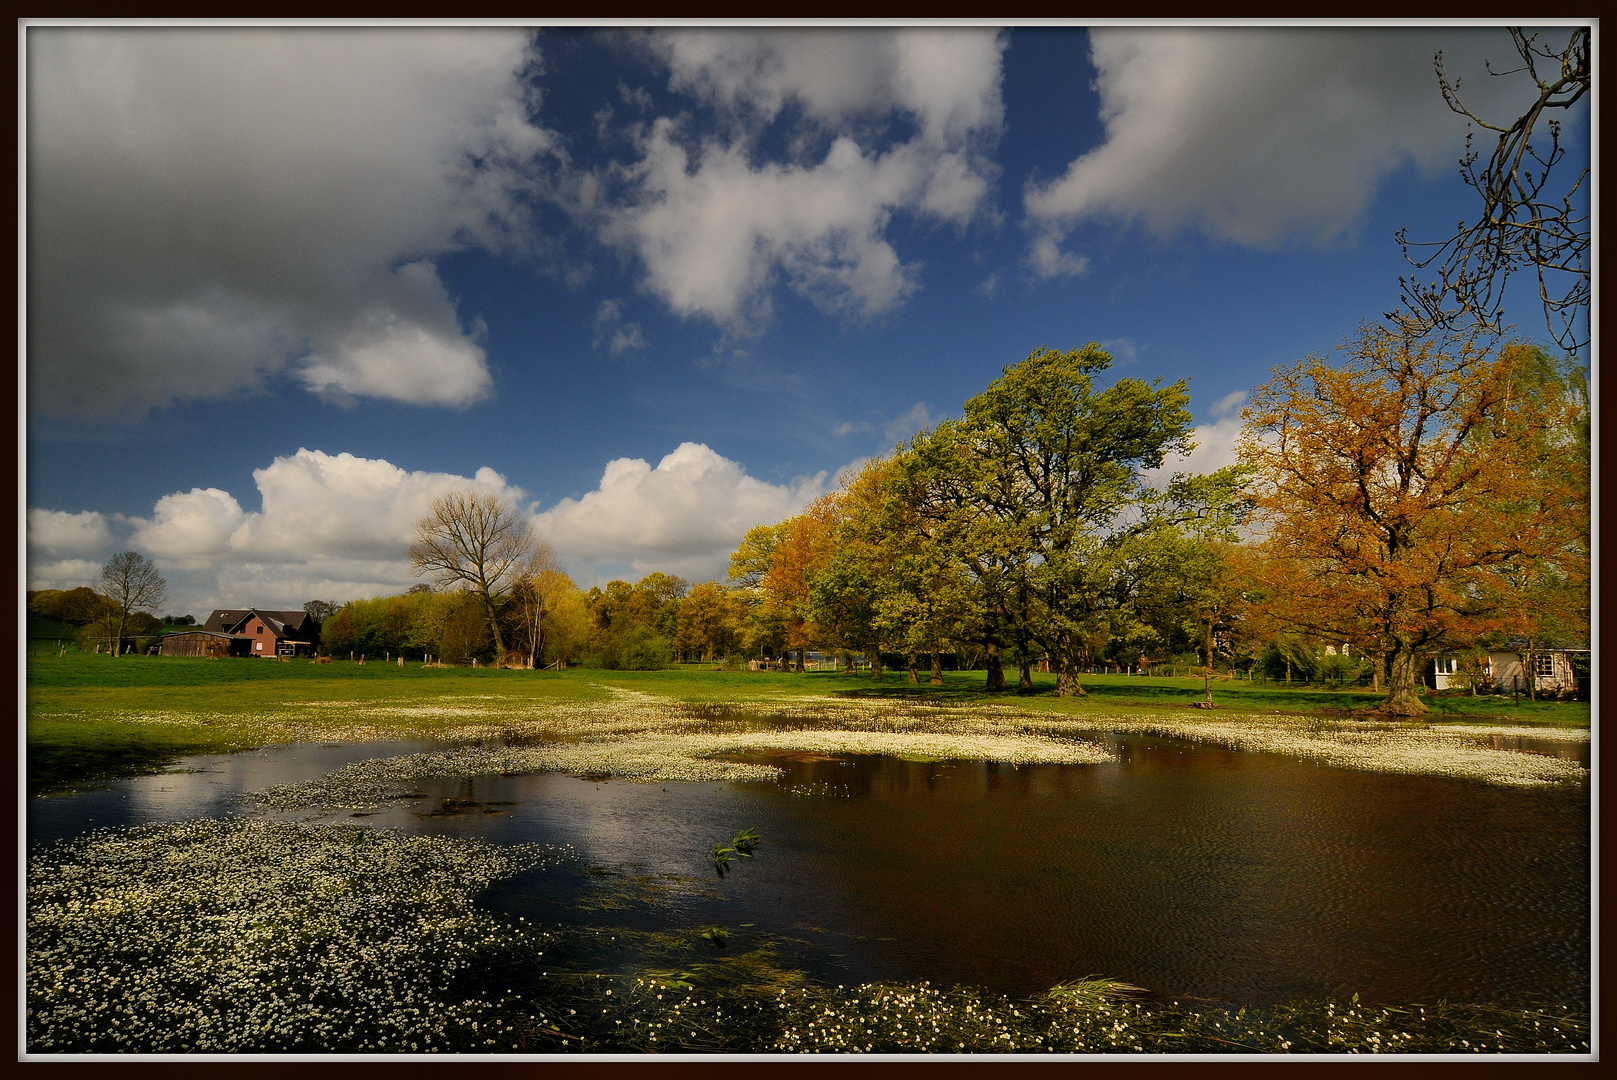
(321, 610)
(131, 583)
(529, 596)
(1521, 224)
(476, 542)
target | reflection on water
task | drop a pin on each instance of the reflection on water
(1195, 872)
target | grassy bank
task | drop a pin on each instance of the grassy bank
(92, 716)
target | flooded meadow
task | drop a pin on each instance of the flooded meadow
(925, 880)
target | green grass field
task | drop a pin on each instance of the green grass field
(91, 716)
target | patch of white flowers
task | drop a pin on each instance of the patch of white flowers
(655, 759)
(248, 934)
(1371, 746)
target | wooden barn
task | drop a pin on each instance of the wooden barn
(202, 643)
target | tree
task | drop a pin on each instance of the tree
(530, 600)
(804, 548)
(131, 583)
(1521, 224)
(321, 610)
(1394, 490)
(707, 621)
(1039, 488)
(477, 542)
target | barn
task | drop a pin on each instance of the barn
(202, 643)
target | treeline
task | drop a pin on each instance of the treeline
(1428, 495)
(90, 619)
(545, 620)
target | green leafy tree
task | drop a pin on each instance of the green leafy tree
(1039, 489)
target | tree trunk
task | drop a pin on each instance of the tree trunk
(996, 673)
(800, 667)
(1024, 674)
(915, 677)
(1207, 671)
(1402, 688)
(937, 670)
(1378, 664)
(1067, 676)
(875, 665)
(494, 625)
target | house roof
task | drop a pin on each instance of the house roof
(293, 624)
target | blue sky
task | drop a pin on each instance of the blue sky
(658, 287)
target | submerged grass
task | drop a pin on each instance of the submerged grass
(257, 935)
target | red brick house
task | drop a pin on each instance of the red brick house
(259, 632)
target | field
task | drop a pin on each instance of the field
(90, 716)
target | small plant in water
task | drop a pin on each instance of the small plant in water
(718, 935)
(721, 857)
(743, 844)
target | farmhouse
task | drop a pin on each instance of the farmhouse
(1506, 669)
(247, 632)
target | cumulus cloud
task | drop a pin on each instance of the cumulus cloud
(714, 223)
(337, 526)
(683, 517)
(328, 526)
(66, 550)
(208, 208)
(1259, 136)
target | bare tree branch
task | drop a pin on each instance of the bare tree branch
(132, 583)
(477, 542)
(1521, 225)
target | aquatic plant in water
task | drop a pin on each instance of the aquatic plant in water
(259, 935)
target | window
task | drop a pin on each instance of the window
(258, 629)
(1544, 667)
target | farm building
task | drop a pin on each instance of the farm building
(201, 643)
(248, 632)
(1505, 670)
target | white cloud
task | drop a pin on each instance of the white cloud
(1258, 136)
(336, 526)
(328, 526)
(912, 421)
(66, 550)
(55, 532)
(612, 332)
(211, 207)
(1123, 350)
(1215, 448)
(684, 517)
(1049, 261)
(1229, 403)
(714, 225)
(900, 427)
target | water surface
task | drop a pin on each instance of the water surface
(1192, 871)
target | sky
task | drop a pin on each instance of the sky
(285, 286)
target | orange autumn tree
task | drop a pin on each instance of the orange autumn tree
(1398, 491)
(804, 547)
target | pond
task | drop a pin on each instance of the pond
(1195, 872)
